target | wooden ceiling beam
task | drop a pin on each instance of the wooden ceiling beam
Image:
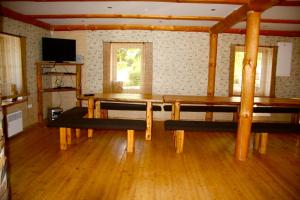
(234, 2)
(162, 17)
(127, 16)
(14, 15)
(129, 27)
(241, 13)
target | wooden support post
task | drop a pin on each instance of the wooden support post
(149, 120)
(248, 85)
(179, 138)
(78, 84)
(39, 91)
(263, 143)
(213, 45)
(63, 138)
(130, 141)
(91, 104)
(69, 136)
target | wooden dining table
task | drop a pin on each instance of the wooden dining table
(177, 100)
(148, 99)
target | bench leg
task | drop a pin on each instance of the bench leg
(90, 133)
(263, 143)
(179, 139)
(69, 136)
(130, 141)
(256, 141)
(63, 138)
(77, 132)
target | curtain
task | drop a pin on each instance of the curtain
(10, 65)
(107, 87)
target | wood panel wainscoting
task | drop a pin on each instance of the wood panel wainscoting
(101, 168)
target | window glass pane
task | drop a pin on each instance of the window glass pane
(129, 67)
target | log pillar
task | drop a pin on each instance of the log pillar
(248, 85)
(213, 45)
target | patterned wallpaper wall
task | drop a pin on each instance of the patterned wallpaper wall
(180, 60)
(33, 36)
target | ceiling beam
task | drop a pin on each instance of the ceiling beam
(241, 13)
(14, 15)
(128, 16)
(267, 32)
(130, 27)
(235, 2)
(162, 17)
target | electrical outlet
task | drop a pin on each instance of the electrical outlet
(29, 106)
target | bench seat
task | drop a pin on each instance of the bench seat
(112, 124)
(203, 108)
(127, 106)
(179, 126)
(211, 126)
(73, 118)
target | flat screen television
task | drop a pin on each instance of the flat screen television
(58, 50)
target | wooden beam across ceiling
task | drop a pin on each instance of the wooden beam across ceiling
(14, 15)
(128, 16)
(234, 2)
(162, 17)
(241, 13)
(130, 27)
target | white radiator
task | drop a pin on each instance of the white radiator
(14, 123)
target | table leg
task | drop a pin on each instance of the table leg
(175, 116)
(91, 105)
(63, 138)
(149, 119)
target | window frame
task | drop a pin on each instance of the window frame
(24, 90)
(273, 70)
(147, 74)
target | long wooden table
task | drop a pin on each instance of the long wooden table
(131, 98)
(176, 100)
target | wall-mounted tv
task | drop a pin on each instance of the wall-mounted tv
(58, 50)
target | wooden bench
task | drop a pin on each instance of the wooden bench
(179, 126)
(105, 106)
(275, 109)
(261, 131)
(204, 108)
(66, 121)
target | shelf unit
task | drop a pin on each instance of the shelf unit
(40, 90)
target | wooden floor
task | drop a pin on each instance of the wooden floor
(100, 168)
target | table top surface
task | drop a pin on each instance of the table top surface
(221, 100)
(124, 97)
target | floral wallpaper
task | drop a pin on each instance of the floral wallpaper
(33, 36)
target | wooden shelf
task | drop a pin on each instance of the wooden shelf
(59, 89)
(40, 73)
(58, 74)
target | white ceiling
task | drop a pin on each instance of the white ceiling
(148, 8)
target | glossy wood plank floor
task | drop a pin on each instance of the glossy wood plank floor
(101, 169)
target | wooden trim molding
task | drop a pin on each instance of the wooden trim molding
(14, 15)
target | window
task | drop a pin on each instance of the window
(265, 71)
(127, 68)
(12, 65)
